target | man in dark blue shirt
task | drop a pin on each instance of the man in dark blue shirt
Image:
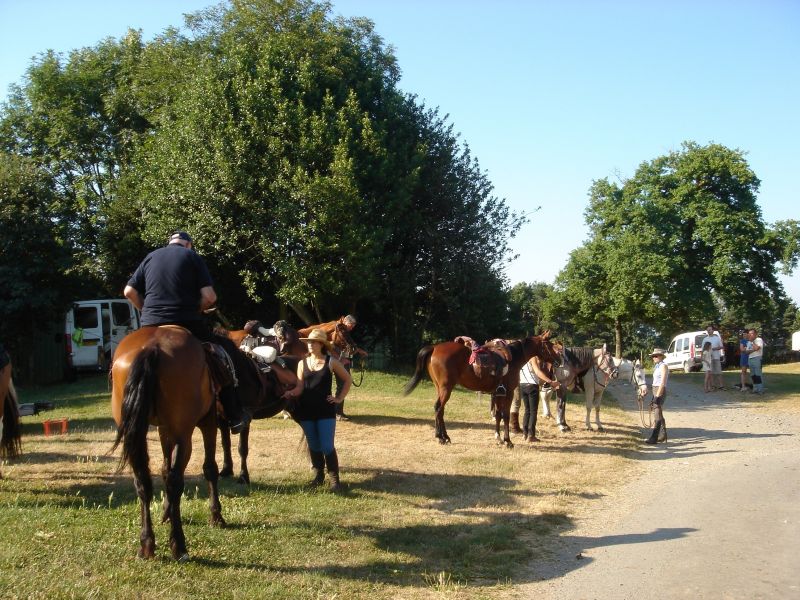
(172, 286)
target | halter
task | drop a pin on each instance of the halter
(610, 373)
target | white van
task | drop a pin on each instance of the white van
(686, 351)
(94, 329)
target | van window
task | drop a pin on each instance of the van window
(121, 313)
(680, 346)
(671, 347)
(698, 340)
(85, 317)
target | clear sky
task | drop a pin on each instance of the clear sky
(549, 96)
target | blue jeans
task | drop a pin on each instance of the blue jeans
(320, 434)
(755, 373)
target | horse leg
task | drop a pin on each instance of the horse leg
(438, 407)
(498, 415)
(505, 407)
(147, 539)
(589, 397)
(227, 459)
(244, 450)
(597, 413)
(210, 470)
(180, 455)
(562, 411)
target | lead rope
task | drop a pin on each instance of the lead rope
(640, 400)
(362, 366)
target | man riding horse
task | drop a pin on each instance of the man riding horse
(172, 286)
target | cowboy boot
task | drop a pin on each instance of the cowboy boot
(662, 437)
(332, 461)
(515, 428)
(317, 467)
(653, 439)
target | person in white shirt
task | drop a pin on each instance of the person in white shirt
(530, 377)
(716, 355)
(659, 389)
(755, 352)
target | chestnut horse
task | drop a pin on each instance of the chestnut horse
(160, 377)
(10, 430)
(448, 365)
(261, 394)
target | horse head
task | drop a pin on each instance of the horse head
(605, 362)
(548, 351)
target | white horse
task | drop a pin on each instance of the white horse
(588, 370)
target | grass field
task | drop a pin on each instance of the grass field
(415, 519)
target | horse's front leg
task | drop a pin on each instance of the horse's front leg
(225, 440)
(589, 404)
(211, 471)
(561, 411)
(597, 416)
(244, 451)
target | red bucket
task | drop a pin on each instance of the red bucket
(55, 426)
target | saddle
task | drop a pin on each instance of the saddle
(488, 360)
(223, 373)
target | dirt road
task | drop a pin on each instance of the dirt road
(715, 512)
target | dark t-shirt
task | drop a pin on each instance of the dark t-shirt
(313, 403)
(169, 279)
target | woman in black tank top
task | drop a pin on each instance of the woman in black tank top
(316, 407)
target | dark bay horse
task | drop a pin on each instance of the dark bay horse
(448, 365)
(160, 377)
(586, 370)
(10, 430)
(261, 393)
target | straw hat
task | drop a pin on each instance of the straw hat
(657, 352)
(318, 335)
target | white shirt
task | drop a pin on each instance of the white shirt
(658, 375)
(757, 353)
(526, 375)
(716, 344)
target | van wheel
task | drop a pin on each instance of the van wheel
(687, 368)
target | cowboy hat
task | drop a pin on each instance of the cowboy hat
(657, 352)
(318, 335)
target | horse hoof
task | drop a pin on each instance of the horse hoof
(183, 558)
(565, 428)
(226, 472)
(600, 429)
(243, 480)
(147, 551)
(510, 445)
(217, 521)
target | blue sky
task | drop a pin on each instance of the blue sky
(549, 96)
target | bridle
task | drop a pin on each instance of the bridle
(609, 370)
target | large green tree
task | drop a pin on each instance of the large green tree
(676, 244)
(277, 135)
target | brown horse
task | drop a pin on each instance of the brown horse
(10, 444)
(448, 365)
(260, 393)
(160, 377)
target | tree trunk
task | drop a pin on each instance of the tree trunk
(618, 336)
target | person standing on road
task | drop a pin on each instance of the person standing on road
(754, 355)
(744, 363)
(716, 355)
(659, 389)
(707, 381)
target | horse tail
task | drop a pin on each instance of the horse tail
(423, 358)
(11, 444)
(138, 397)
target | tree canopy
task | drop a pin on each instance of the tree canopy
(676, 245)
(277, 135)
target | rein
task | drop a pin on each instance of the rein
(362, 367)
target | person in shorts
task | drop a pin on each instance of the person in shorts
(716, 355)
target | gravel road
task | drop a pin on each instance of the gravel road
(714, 513)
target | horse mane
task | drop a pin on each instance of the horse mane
(580, 357)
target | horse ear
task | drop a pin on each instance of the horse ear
(604, 349)
(546, 334)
